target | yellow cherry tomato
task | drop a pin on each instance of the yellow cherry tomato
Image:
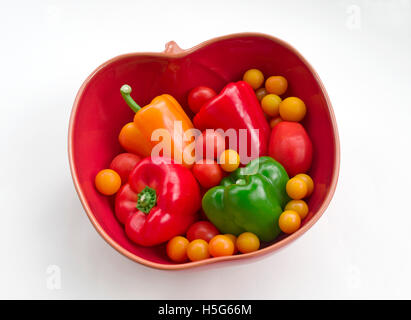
(299, 206)
(198, 250)
(247, 242)
(254, 78)
(233, 238)
(296, 188)
(292, 109)
(229, 160)
(275, 121)
(177, 249)
(276, 84)
(308, 181)
(261, 93)
(270, 104)
(107, 182)
(221, 245)
(289, 221)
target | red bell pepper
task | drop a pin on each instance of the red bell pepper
(237, 107)
(160, 201)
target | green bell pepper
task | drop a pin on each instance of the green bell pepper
(250, 199)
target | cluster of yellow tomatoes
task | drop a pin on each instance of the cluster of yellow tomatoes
(180, 249)
(289, 109)
(298, 188)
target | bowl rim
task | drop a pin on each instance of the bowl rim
(174, 51)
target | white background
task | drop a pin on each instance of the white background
(361, 246)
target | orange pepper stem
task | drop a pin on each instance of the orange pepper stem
(125, 92)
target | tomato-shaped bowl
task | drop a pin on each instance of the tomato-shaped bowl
(99, 113)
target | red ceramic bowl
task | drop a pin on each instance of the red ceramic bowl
(99, 113)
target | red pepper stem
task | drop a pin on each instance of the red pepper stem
(147, 199)
(125, 92)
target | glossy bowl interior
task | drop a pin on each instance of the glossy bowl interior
(99, 113)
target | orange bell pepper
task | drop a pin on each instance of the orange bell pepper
(164, 112)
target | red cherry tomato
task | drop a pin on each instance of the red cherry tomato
(202, 230)
(199, 96)
(123, 164)
(208, 173)
(291, 146)
(211, 143)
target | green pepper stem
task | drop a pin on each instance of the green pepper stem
(125, 92)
